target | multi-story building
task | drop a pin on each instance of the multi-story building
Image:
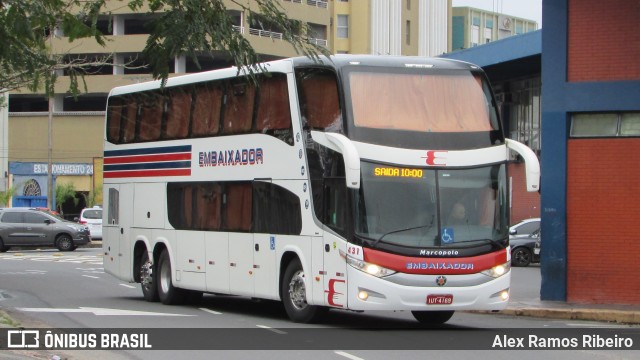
(472, 27)
(391, 27)
(78, 126)
(407, 27)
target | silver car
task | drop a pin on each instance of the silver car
(25, 227)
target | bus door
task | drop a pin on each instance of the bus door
(237, 218)
(334, 213)
(116, 229)
(270, 212)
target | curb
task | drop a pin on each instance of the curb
(602, 315)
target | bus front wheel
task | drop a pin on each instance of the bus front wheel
(294, 295)
(432, 317)
(167, 293)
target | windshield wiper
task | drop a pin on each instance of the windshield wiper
(375, 243)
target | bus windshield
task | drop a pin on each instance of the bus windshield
(412, 100)
(419, 207)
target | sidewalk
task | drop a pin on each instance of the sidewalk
(623, 314)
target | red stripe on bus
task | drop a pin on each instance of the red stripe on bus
(146, 158)
(146, 173)
(435, 266)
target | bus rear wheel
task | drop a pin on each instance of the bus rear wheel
(294, 295)
(148, 278)
(167, 293)
(432, 317)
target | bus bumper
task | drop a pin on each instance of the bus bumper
(367, 292)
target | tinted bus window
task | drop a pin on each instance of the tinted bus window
(273, 112)
(275, 210)
(151, 116)
(206, 110)
(237, 205)
(420, 102)
(238, 111)
(178, 113)
(319, 101)
(129, 118)
(114, 118)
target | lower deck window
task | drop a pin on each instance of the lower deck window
(246, 206)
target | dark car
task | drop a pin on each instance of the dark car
(524, 239)
(31, 227)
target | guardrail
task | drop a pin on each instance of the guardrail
(276, 35)
(264, 33)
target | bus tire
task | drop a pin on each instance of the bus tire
(433, 317)
(294, 295)
(167, 293)
(148, 278)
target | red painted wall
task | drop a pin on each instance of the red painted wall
(603, 221)
(524, 204)
(604, 40)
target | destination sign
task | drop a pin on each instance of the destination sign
(397, 172)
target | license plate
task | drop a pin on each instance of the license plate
(536, 251)
(439, 299)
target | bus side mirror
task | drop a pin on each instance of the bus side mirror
(531, 164)
(343, 145)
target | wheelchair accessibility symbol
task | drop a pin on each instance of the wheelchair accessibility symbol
(447, 235)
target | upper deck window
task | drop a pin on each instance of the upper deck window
(422, 102)
(319, 99)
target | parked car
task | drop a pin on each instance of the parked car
(524, 239)
(524, 228)
(25, 227)
(92, 217)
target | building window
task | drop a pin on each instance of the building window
(520, 103)
(519, 28)
(408, 4)
(475, 35)
(343, 26)
(408, 32)
(605, 124)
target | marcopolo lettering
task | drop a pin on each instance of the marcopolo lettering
(438, 266)
(231, 157)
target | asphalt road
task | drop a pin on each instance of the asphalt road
(70, 290)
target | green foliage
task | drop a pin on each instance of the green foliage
(26, 59)
(93, 198)
(184, 27)
(196, 27)
(65, 191)
(7, 321)
(6, 195)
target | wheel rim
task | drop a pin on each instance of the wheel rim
(146, 272)
(65, 243)
(165, 277)
(521, 256)
(297, 291)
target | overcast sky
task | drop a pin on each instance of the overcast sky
(527, 9)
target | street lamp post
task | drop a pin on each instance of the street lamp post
(50, 156)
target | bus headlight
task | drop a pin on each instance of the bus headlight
(371, 269)
(498, 270)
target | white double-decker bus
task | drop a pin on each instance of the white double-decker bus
(357, 182)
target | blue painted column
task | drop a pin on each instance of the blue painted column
(554, 132)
